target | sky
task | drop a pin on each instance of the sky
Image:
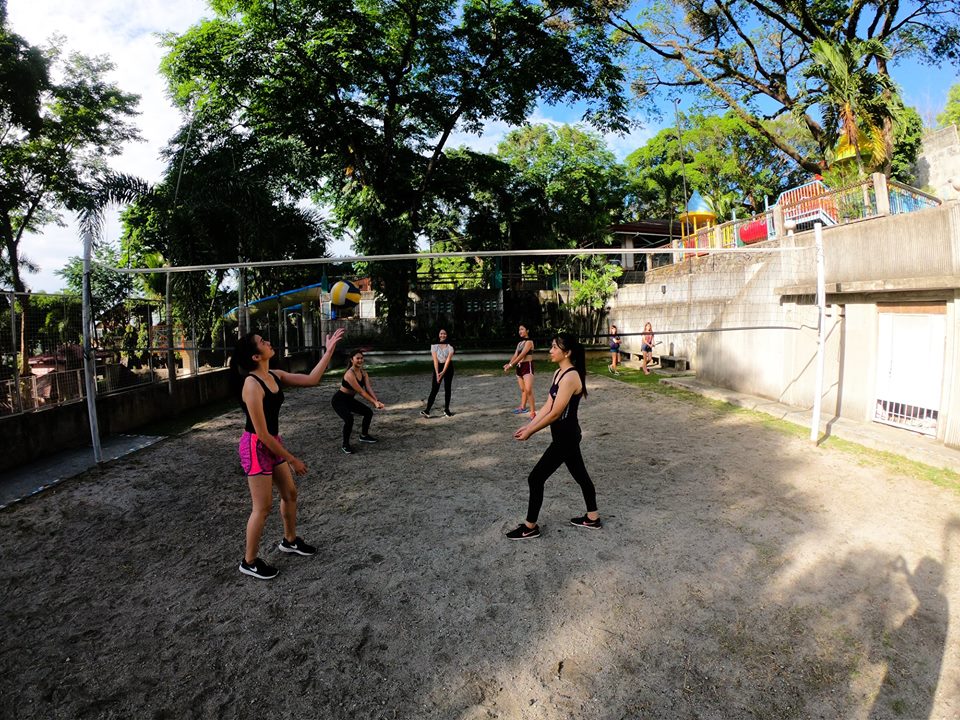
(127, 30)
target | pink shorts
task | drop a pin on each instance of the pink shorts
(255, 457)
(525, 368)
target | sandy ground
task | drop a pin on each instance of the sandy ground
(741, 574)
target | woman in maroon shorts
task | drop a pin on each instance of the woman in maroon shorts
(265, 460)
(523, 360)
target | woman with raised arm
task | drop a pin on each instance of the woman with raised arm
(265, 460)
(356, 381)
(646, 346)
(522, 360)
(560, 414)
(442, 354)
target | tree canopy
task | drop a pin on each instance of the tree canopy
(371, 91)
(855, 102)
(572, 182)
(83, 119)
(951, 112)
(24, 75)
(733, 167)
(748, 55)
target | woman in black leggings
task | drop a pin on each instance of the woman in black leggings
(442, 354)
(560, 413)
(355, 382)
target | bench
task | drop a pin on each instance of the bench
(673, 361)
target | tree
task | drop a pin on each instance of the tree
(24, 75)
(107, 288)
(225, 197)
(473, 205)
(907, 146)
(371, 91)
(655, 179)
(727, 162)
(83, 119)
(110, 294)
(575, 183)
(855, 102)
(595, 286)
(747, 54)
(546, 187)
(951, 112)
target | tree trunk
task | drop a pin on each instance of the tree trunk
(11, 243)
(887, 128)
(387, 233)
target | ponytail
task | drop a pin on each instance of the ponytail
(241, 362)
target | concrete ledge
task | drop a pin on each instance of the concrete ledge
(913, 446)
(673, 361)
(34, 435)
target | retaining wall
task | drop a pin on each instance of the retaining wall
(749, 322)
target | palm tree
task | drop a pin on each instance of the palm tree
(855, 102)
(667, 181)
(110, 188)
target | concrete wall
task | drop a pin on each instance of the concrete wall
(949, 426)
(35, 435)
(938, 165)
(749, 322)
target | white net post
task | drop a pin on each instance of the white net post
(89, 359)
(821, 330)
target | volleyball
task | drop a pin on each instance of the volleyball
(344, 294)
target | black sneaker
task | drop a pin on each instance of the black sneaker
(346, 450)
(524, 533)
(367, 438)
(447, 413)
(258, 569)
(584, 521)
(425, 413)
(298, 546)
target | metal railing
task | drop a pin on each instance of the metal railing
(802, 207)
(904, 199)
(41, 354)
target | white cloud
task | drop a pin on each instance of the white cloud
(127, 32)
(623, 145)
(494, 132)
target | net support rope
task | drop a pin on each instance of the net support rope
(441, 255)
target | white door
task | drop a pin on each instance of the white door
(910, 350)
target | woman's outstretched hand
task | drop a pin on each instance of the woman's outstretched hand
(333, 338)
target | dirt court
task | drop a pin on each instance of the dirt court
(741, 573)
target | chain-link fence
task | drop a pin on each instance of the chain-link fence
(41, 348)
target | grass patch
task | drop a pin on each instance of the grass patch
(896, 464)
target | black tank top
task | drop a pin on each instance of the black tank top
(271, 406)
(361, 381)
(567, 423)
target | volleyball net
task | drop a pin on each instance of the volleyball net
(689, 297)
(480, 297)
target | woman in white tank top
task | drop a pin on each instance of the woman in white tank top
(442, 355)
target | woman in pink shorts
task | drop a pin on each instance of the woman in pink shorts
(523, 360)
(265, 460)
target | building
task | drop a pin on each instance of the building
(748, 321)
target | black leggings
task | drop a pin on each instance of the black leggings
(345, 406)
(435, 388)
(562, 451)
